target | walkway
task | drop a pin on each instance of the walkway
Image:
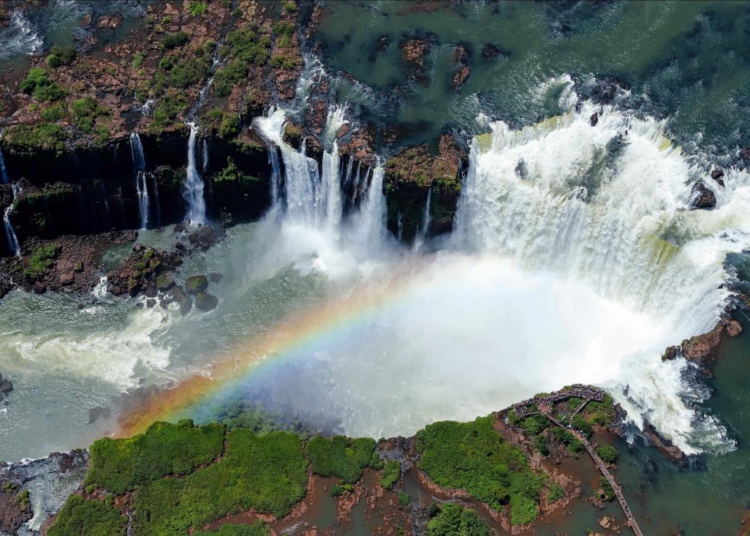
(545, 408)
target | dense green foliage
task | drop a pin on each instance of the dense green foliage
(245, 45)
(582, 425)
(535, 424)
(86, 111)
(119, 465)
(258, 528)
(175, 40)
(268, 473)
(61, 56)
(188, 72)
(233, 74)
(391, 474)
(41, 260)
(474, 457)
(566, 438)
(80, 517)
(38, 85)
(342, 457)
(28, 139)
(607, 453)
(198, 8)
(455, 520)
(341, 489)
(231, 173)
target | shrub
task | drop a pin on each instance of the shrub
(246, 46)
(607, 453)
(138, 60)
(580, 423)
(391, 474)
(290, 6)
(268, 473)
(454, 520)
(541, 445)
(555, 492)
(258, 528)
(234, 73)
(404, 498)
(232, 173)
(188, 72)
(474, 457)
(230, 126)
(535, 424)
(92, 518)
(175, 40)
(284, 62)
(119, 465)
(41, 260)
(165, 64)
(341, 489)
(340, 456)
(198, 8)
(38, 85)
(53, 113)
(28, 139)
(61, 56)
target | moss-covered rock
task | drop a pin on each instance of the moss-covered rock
(196, 283)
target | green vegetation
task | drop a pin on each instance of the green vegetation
(86, 111)
(175, 40)
(38, 85)
(61, 56)
(566, 438)
(604, 485)
(455, 520)
(233, 74)
(290, 6)
(474, 457)
(119, 465)
(188, 72)
(535, 424)
(41, 260)
(391, 474)
(231, 173)
(268, 473)
(607, 453)
(555, 493)
(88, 518)
(284, 31)
(284, 62)
(258, 528)
(138, 60)
(342, 457)
(404, 498)
(245, 45)
(581, 424)
(54, 113)
(540, 442)
(172, 104)
(341, 489)
(198, 8)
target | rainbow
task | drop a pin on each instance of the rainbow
(294, 337)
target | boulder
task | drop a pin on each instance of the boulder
(196, 284)
(734, 328)
(491, 51)
(165, 281)
(150, 303)
(39, 288)
(594, 119)
(6, 386)
(186, 304)
(67, 279)
(717, 174)
(703, 197)
(215, 277)
(206, 302)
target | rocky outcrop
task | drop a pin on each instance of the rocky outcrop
(463, 71)
(413, 53)
(410, 174)
(703, 197)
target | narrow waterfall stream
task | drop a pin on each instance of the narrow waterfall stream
(193, 192)
(139, 170)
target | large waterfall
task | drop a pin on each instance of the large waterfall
(139, 170)
(193, 192)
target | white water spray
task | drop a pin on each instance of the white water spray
(421, 237)
(139, 169)
(193, 192)
(10, 233)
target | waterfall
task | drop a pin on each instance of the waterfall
(139, 169)
(3, 170)
(9, 231)
(194, 184)
(421, 237)
(315, 199)
(608, 206)
(204, 166)
(100, 290)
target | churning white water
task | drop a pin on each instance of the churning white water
(19, 37)
(139, 170)
(193, 191)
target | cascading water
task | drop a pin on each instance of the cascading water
(10, 233)
(139, 169)
(425, 227)
(204, 163)
(3, 170)
(193, 192)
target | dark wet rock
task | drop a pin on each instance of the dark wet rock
(663, 444)
(594, 119)
(165, 281)
(700, 347)
(717, 174)
(151, 291)
(605, 90)
(413, 53)
(704, 198)
(745, 154)
(215, 277)
(671, 353)
(40, 288)
(150, 303)
(179, 228)
(98, 412)
(292, 134)
(67, 279)
(180, 247)
(6, 386)
(196, 284)
(460, 78)
(206, 302)
(186, 304)
(491, 51)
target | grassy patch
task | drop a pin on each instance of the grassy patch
(198, 8)
(41, 260)
(61, 56)
(341, 457)
(119, 465)
(474, 457)
(90, 518)
(268, 473)
(455, 520)
(38, 85)
(258, 528)
(391, 474)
